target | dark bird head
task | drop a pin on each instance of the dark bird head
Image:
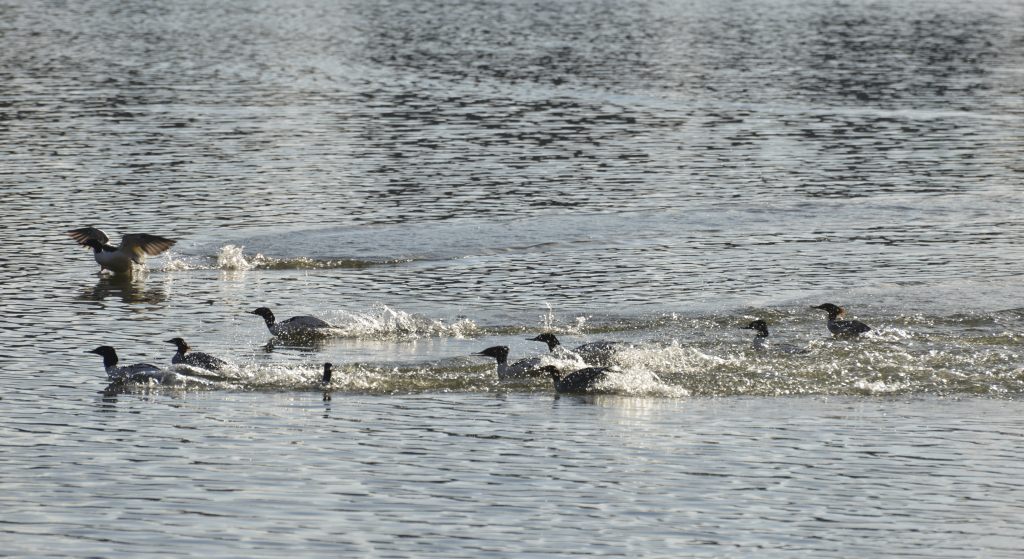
(107, 353)
(182, 346)
(551, 371)
(498, 352)
(328, 369)
(832, 310)
(547, 338)
(759, 325)
(266, 313)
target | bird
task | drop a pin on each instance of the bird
(325, 382)
(520, 369)
(130, 373)
(593, 353)
(196, 358)
(303, 325)
(761, 342)
(761, 339)
(842, 328)
(120, 259)
(328, 369)
(576, 382)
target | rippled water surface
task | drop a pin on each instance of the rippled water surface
(434, 178)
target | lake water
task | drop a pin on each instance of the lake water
(434, 178)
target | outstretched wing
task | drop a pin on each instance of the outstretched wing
(140, 244)
(81, 236)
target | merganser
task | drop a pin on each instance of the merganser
(295, 326)
(520, 369)
(576, 382)
(594, 353)
(761, 342)
(845, 328)
(761, 339)
(196, 358)
(328, 369)
(325, 382)
(130, 373)
(133, 248)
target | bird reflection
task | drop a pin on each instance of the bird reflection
(130, 289)
(108, 402)
(303, 345)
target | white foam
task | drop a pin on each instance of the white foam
(232, 257)
(383, 322)
(639, 382)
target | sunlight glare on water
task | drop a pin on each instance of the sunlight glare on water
(436, 178)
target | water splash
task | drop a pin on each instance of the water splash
(232, 257)
(385, 323)
(639, 382)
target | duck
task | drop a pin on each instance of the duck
(576, 382)
(520, 369)
(761, 339)
(303, 325)
(842, 328)
(594, 353)
(761, 342)
(196, 359)
(325, 381)
(120, 259)
(138, 372)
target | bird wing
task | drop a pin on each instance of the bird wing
(306, 321)
(525, 367)
(140, 244)
(204, 361)
(84, 234)
(853, 326)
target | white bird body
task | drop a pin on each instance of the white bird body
(120, 259)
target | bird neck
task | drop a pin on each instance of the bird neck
(109, 360)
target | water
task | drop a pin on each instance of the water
(434, 178)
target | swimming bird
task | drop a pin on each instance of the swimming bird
(761, 339)
(132, 373)
(576, 382)
(196, 358)
(303, 325)
(761, 342)
(520, 369)
(133, 248)
(844, 328)
(325, 382)
(593, 353)
(328, 369)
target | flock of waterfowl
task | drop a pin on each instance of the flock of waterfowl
(595, 356)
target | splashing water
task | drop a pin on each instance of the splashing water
(383, 322)
(232, 257)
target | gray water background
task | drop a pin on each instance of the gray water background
(438, 177)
